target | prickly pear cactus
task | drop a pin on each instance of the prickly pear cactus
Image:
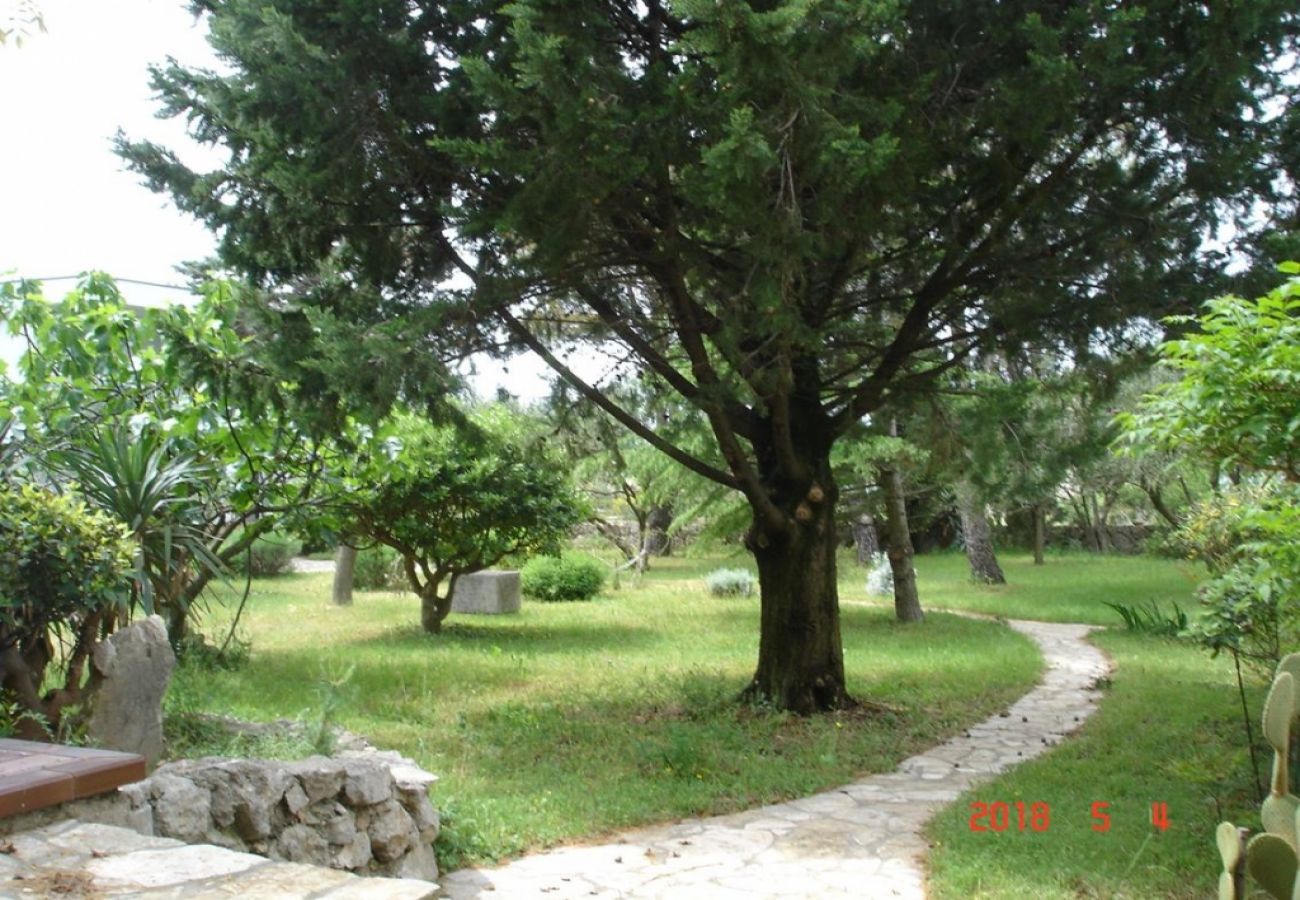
(1272, 864)
(1232, 850)
(1279, 810)
(1272, 858)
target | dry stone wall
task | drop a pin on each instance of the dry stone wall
(364, 811)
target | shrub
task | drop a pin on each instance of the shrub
(63, 572)
(880, 577)
(271, 554)
(379, 569)
(551, 579)
(730, 583)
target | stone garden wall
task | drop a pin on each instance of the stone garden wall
(363, 811)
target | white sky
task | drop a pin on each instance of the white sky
(67, 205)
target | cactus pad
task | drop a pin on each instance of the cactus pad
(1291, 665)
(1272, 864)
(1230, 851)
(1278, 710)
(1278, 816)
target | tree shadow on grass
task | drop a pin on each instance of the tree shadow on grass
(530, 638)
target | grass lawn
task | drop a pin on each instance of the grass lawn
(572, 720)
(1169, 730)
(1068, 587)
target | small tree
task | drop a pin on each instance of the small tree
(63, 572)
(1237, 403)
(455, 499)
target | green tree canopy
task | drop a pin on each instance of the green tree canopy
(1237, 397)
(784, 209)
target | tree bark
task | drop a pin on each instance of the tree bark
(1040, 532)
(345, 567)
(800, 652)
(434, 609)
(657, 542)
(907, 603)
(865, 539)
(1159, 505)
(977, 537)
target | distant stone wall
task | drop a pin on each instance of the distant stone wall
(364, 811)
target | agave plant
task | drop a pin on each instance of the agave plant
(158, 491)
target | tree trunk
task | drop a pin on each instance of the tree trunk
(434, 609)
(800, 652)
(907, 603)
(178, 626)
(657, 542)
(1040, 532)
(345, 567)
(865, 539)
(977, 537)
(1159, 505)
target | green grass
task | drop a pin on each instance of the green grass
(572, 720)
(1169, 730)
(1070, 587)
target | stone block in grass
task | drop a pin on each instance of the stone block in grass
(487, 594)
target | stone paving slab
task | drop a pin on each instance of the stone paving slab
(862, 840)
(78, 861)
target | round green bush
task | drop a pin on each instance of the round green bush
(271, 554)
(551, 579)
(379, 568)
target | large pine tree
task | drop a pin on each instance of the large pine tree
(785, 209)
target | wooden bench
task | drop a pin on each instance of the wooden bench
(35, 775)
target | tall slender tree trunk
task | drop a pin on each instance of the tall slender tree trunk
(907, 602)
(1040, 532)
(800, 651)
(977, 536)
(865, 539)
(345, 569)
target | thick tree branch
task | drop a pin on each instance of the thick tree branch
(530, 340)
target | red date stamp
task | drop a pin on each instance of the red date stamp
(1001, 816)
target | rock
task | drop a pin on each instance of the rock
(165, 867)
(424, 815)
(298, 843)
(420, 862)
(135, 665)
(368, 782)
(321, 778)
(487, 593)
(340, 830)
(245, 793)
(324, 812)
(295, 799)
(354, 855)
(391, 831)
(181, 809)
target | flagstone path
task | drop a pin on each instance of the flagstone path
(863, 840)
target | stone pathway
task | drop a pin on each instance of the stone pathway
(863, 840)
(77, 861)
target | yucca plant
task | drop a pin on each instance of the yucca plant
(157, 490)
